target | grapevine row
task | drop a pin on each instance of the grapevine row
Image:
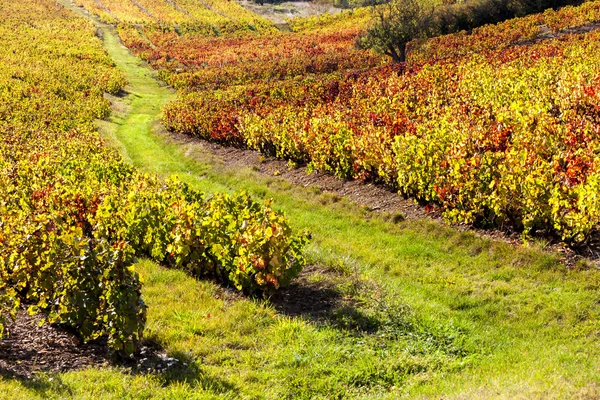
(495, 127)
(209, 17)
(74, 217)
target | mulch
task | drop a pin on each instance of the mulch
(34, 347)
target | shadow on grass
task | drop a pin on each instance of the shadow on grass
(352, 305)
(322, 301)
(169, 368)
(35, 355)
(40, 383)
(173, 367)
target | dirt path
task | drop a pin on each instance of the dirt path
(547, 34)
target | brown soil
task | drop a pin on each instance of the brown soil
(33, 347)
(281, 11)
(545, 33)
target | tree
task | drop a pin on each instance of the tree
(395, 24)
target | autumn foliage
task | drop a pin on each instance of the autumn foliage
(74, 217)
(498, 127)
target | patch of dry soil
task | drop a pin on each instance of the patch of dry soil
(369, 195)
(280, 12)
(33, 348)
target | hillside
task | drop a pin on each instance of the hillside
(163, 268)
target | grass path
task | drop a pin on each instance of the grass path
(487, 320)
(145, 98)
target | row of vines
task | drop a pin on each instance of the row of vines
(206, 17)
(74, 217)
(499, 126)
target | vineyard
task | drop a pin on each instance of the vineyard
(496, 127)
(195, 271)
(75, 217)
(183, 16)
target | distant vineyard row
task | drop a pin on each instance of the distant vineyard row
(201, 63)
(73, 216)
(208, 17)
(497, 126)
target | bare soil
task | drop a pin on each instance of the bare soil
(545, 33)
(280, 12)
(369, 195)
(34, 347)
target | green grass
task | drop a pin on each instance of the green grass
(419, 310)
